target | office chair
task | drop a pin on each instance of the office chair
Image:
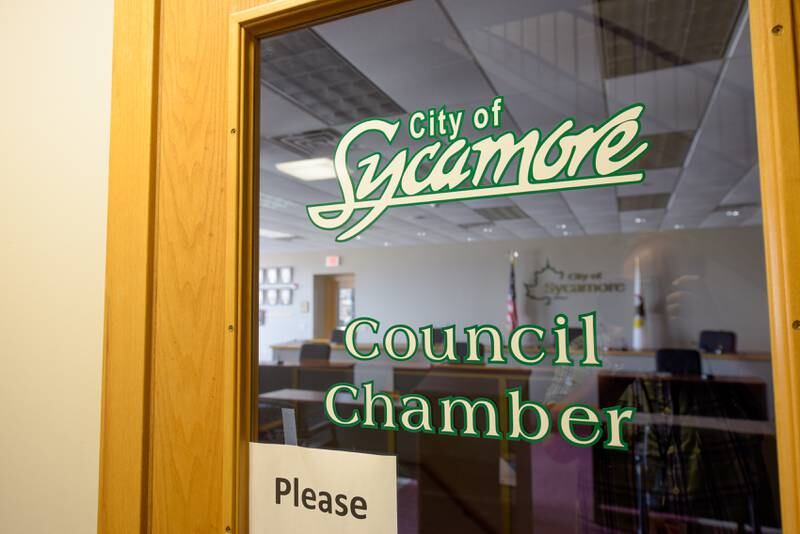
(462, 349)
(717, 341)
(337, 336)
(573, 334)
(679, 361)
(315, 352)
(438, 336)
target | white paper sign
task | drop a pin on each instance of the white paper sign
(302, 490)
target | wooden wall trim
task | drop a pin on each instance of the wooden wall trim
(775, 31)
(124, 442)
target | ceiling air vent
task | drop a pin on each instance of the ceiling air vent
(643, 202)
(311, 142)
(473, 226)
(302, 67)
(501, 213)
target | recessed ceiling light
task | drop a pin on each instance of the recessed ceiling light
(308, 169)
(386, 243)
(274, 234)
(564, 233)
(487, 229)
(732, 213)
(421, 234)
(561, 226)
(639, 220)
(678, 227)
(470, 239)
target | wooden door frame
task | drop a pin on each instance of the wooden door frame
(137, 452)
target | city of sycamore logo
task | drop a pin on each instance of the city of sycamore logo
(551, 284)
(462, 169)
(536, 290)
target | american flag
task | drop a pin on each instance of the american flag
(511, 311)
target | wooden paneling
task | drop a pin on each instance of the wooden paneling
(775, 28)
(189, 319)
(124, 448)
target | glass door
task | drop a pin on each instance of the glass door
(551, 212)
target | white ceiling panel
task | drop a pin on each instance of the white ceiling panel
(730, 217)
(747, 191)
(656, 181)
(456, 213)
(755, 219)
(414, 55)
(281, 117)
(641, 220)
(523, 228)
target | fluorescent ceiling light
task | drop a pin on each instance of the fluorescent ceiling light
(273, 234)
(308, 169)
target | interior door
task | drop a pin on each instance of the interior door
(179, 313)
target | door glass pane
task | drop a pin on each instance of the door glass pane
(476, 216)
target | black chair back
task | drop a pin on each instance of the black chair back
(462, 349)
(679, 362)
(315, 352)
(717, 341)
(438, 336)
(337, 336)
(573, 334)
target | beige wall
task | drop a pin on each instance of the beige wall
(54, 117)
(692, 280)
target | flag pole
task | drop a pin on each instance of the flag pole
(512, 319)
(638, 312)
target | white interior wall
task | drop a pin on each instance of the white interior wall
(54, 104)
(692, 280)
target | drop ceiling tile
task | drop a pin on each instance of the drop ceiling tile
(685, 221)
(656, 181)
(545, 62)
(723, 217)
(640, 36)
(641, 221)
(746, 191)
(729, 131)
(742, 45)
(601, 224)
(456, 213)
(674, 98)
(755, 219)
(279, 116)
(492, 202)
(424, 65)
(293, 190)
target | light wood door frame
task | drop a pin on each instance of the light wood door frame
(181, 235)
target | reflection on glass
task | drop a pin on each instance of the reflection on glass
(677, 260)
